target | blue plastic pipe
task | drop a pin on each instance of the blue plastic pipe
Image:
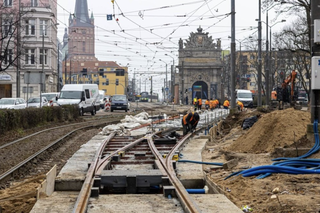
(196, 191)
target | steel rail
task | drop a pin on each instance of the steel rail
(84, 195)
(42, 131)
(16, 167)
(95, 170)
(188, 204)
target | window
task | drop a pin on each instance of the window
(83, 46)
(34, 3)
(8, 56)
(252, 57)
(43, 27)
(7, 3)
(43, 56)
(7, 26)
(30, 56)
(87, 93)
(30, 27)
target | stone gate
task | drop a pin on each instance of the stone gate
(200, 68)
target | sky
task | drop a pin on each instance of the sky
(149, 29)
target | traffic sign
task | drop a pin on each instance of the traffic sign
(167, 89)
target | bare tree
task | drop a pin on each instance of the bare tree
(10, 19)
(295, 40)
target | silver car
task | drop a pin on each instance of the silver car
(35, 102)
(12, 103)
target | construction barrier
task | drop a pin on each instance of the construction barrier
(107, 106)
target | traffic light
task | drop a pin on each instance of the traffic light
(117, 82)
(128, 89)
(101, 72)
(107, 82)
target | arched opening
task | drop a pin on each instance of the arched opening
(200, 90)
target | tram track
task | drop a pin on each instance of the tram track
(137, 156)
(23, 155)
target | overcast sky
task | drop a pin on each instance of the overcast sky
(150, 29)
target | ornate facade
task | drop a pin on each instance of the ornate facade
(200, 68)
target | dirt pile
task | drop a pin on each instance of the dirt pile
(280, 128)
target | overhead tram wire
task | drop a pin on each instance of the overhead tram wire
(133, 40)
(165, 7)
(130, 34)
(150, 31)
(186, 20)
(115, 34)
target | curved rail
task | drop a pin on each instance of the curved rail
(188, 204)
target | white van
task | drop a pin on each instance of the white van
(85, 95)
(245, 96)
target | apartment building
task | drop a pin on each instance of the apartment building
(29, 29)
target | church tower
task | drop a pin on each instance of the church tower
(81, 34)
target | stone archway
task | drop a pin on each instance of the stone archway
(200, 90)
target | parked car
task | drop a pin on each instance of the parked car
(119, 102)
(12, 103)
(51, 97)
(35, 102)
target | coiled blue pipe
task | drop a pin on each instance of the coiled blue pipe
(288, 165)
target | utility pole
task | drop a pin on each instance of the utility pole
(58, 78)
(70, 71)
(233, 54)
(259, 58)
(65, 68)
(151, 89)
(42, 72)
(268, 91)
(182, 86)
(18, 52)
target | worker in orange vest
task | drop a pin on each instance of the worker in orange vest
(207, 104)
(199, 103)
(226, 104)
(195, 103)
(240, 105)
(190, 122)
(212, 105)
(217, 105)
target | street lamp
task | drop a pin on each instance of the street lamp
(267, 74)
(269, 57)
(172, 76)
(241, 60)
(166, 78)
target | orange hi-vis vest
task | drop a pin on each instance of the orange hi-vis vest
(200, 101)
(187, 118)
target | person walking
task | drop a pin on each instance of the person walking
(190, 122)
(187, 101)
(226, 104)
(199, 104)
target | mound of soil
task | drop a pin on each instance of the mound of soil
(280, 128)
